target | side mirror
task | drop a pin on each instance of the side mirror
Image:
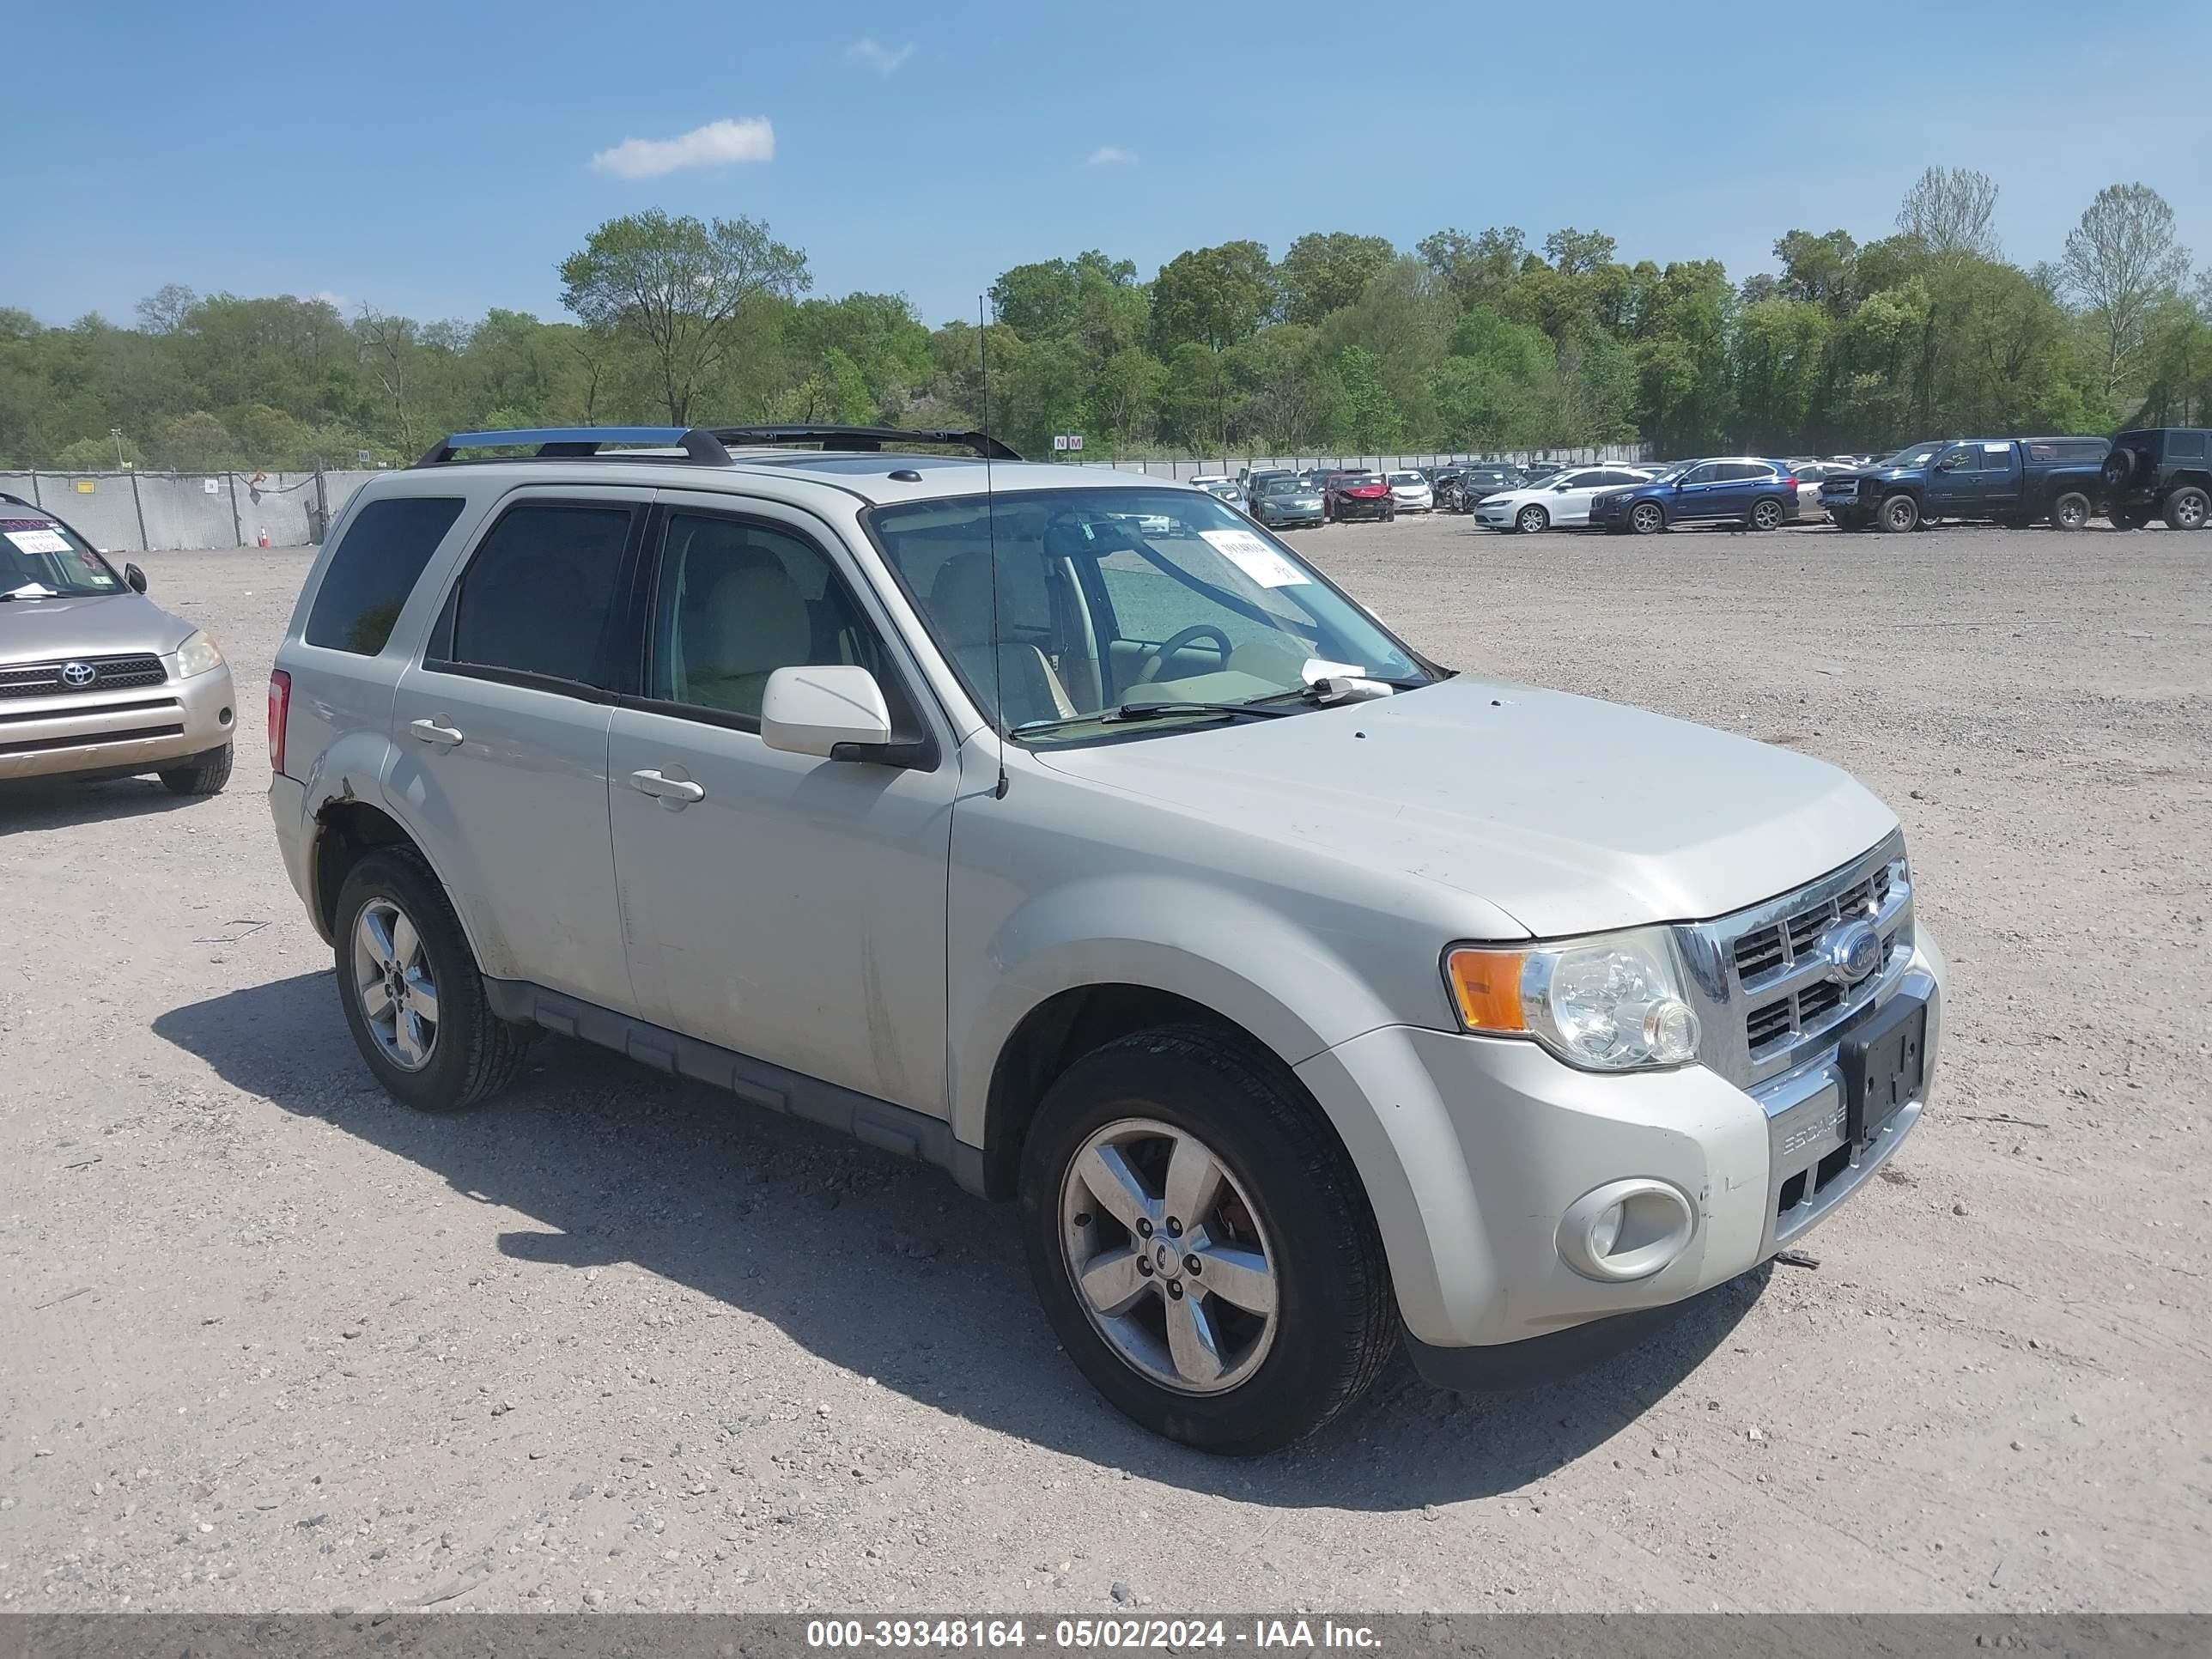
(135, 576)
(820, 710)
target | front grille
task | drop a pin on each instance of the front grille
(44, 679)
(1768, 960)
(93, 739)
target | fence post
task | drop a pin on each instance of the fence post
(237, 523)
(322, 525)
(37, 500)
(141, 507)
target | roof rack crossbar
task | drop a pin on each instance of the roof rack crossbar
(865, 438)
(699, 446)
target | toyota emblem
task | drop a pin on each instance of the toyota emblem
(1854, 951)
(79, 673)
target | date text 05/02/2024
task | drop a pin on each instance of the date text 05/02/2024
(1289, 1635)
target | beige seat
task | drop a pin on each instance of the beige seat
(960, 606)
(743, 618)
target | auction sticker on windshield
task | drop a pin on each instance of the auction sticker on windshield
(1255, 558)
(40, 541)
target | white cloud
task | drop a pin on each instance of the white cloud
(883, 59)
(716, 144)
(1112, 155)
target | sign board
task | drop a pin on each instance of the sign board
(85, 486)
(362, 456)
(1068, 440)
(1075, 440)
(1060, 441)
(208, 486)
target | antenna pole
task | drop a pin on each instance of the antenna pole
(991, 525)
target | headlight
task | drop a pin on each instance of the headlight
(1615, 1003)
(196, 655)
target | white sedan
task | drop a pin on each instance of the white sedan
(1561, 500)
(1410, 492)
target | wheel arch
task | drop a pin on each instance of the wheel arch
(351, 816)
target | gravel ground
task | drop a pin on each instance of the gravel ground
(268, 1342)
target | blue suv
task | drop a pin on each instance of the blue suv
(1740, 489)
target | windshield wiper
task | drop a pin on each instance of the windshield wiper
(1149, 711)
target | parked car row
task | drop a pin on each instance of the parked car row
(2163, 472)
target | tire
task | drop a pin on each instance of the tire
(1767, 514)
(2120, 466)
(1848, 520)
(1899, 513)
(1647, 518)
(204, 775)
(468, 1053)
(2187, 508)
(1288, 1200)
(1532, 519)
(2126, 518)
(2070, 511)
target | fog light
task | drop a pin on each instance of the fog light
(1627, 1229)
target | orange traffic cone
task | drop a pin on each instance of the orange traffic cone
(264, 535)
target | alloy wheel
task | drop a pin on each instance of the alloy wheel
(391, 976)
(1167, 1256)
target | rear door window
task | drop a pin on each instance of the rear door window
(374, 568)
(2185, 445)
(538, 602)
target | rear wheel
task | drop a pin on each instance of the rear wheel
(1532, 519)
(1900, 514)
(411, 991)
(204, 775)
(2070, 511)
(1647, 518)
(2126, 518)
(2186, 508)
(1767, 515)
(1201, 1244)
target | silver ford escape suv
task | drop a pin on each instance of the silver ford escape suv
(1064, 828)
(96, 680)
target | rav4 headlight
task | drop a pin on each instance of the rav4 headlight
(196, 655)
(1612, 1003)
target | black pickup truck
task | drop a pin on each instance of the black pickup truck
(2013, 481)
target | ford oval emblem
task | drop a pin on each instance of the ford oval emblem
(78, 673)
(1854, 951)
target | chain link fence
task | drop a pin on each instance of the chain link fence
(135, 512)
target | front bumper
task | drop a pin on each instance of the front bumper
(1480, 1147)
(117, 733)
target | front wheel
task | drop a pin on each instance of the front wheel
(1531, 519)
(1201, 1244)
(1767, 515)
(2186, 508)
(1646, 519)
(2070, 511)
(1900, 514)
(204, 775)
(2126, 518)
(411, 991)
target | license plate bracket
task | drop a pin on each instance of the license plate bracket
(1884, 1064)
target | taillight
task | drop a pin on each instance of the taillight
(280, 705)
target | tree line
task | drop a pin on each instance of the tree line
(1470, 341)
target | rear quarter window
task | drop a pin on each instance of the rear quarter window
(2185, 446)
(374, 568)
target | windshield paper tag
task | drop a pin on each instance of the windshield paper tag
(40, 541)
(1320, 668)
(1255, 558)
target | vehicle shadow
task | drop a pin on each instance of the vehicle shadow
(881, 1266)
(57, 803)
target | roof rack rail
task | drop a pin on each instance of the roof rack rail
(699, 446)
(866, 438)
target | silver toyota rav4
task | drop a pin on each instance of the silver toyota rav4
(96, 680)
(1064, 828)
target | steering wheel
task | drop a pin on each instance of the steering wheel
(1168, 647)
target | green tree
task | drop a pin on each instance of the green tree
(680, 285)
(1370, 416)
(2123, 262)
(1211, 298)
(1472, 269)
(196, 442)
(1324, 271)
(98, 455)
(1780, 347)
(1817, 270)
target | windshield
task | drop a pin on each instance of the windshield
(1408, 479)
(1913, 455)
(1110, 598)
(40, 559)
(1286, 487)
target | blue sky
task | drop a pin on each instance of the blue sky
(437, 160)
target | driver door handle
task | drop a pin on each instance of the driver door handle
(674, 792)
(445, 737)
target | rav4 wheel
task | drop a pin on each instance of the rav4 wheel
(1532, 519)
(1899, 513)
(1647, 518)
(204, 775)
(2070, 511)
(1201, 1244)
(411, 992)
(2186, 508)
(1767, 515)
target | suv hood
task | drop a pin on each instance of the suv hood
(1569, 814)
(104, 624)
